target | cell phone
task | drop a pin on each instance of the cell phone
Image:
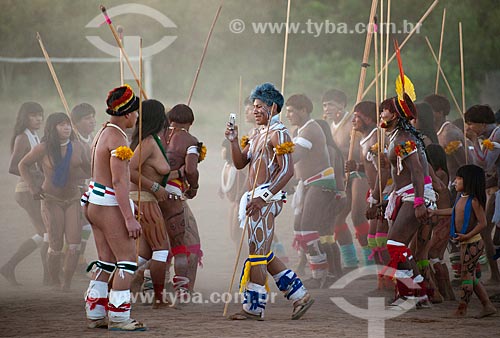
(232, 120)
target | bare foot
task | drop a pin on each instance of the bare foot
(461, 311)
(487, 310)
(9, 275)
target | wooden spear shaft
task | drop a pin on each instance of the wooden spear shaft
(387, 48)
(139, 145)
(440, 51)
(139, 185)
(193, 86)
(117, 38)
(120, 32)
(56, 82)
(381, 59)
(362, 75)
(463, 88)
(443, 76)
(426, 14)
(285, 50)
(53, 73)
(377, 100)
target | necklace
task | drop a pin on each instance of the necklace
(442, 127)
(119, 129)
(465, 195)
(65, 143)
(174, 128)
(85, 139)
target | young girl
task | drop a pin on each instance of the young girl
(468, 219)
(64, 163)
(29, 120)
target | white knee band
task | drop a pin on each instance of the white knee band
(141, 261)
(403, 274)
(54, 252)
(126, 266)
(74, 247)
(46, 237)
(37, 239)
(160, 255)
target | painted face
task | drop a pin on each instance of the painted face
(387, 118)
(64, 130)
(293, 115)
(261, 112)
(86, 125)
(333, 110)
(249, 118)
(459, 184)
(35, 121)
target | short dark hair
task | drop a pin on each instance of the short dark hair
(438, 103)
(181, 113)
(480, 113)
(300, 101)
(426, 121)
(389, 105)
(368, 109)
(335, 95)
(81, 110)
(436, 156)
(497, 117)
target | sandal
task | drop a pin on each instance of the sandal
(128, 325)
(301, 306)
(243, 315)
(97, 323)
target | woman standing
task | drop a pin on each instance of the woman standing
(150, 155)
(29, 120)
(64, 164)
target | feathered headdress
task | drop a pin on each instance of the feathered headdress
(405, 90)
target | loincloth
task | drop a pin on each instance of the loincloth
(64, 203)
(258, 192)
(407, 194)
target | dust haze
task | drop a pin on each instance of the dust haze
(256, 58)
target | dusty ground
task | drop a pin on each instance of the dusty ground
(35, 311)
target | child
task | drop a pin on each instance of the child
(468, 219)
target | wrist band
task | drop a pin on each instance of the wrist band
(267, 195)
(371, 200)
(418, 201)
(155, 187)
